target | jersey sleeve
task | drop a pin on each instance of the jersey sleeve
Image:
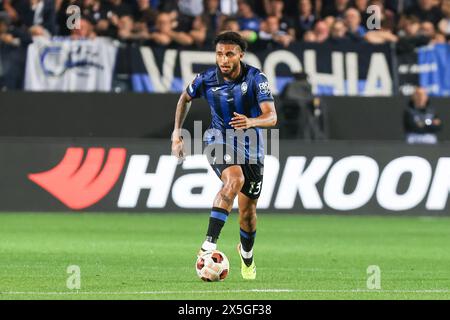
(194, 89)
(262, 88)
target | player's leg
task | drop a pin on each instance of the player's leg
(247, 224)
(248, 199)
(233, 181)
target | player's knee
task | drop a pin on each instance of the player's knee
(234, 183)
(248, 212)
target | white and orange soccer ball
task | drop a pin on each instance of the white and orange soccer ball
(212, 266)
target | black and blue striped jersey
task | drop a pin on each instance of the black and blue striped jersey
(242, 95)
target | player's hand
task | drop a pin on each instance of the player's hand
(239, 121)
(178, 149)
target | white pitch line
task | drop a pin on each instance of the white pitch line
(227, 291)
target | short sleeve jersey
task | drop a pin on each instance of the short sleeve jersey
(242, 95)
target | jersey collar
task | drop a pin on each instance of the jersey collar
(221, 80)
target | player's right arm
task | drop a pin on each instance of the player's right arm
(183, 106)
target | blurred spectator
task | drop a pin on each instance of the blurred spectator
(86, 30)
(128, 30)
(39, 16)
(247, 19)
(309, 36)
(163, 29)
(352, 19)
(118, 8)
(306, 18)
(321, 31)
(402, 5)
(91, 9)
(229, 7)
(97, 15)
(420, 120)
(192, 8)
(197, 22)
(212, 19)
(409, 26)
(276, 8)
(361, 6)
(381, 36)
(272, 34)
(144, 16)
(105, 16)
(261, 8)
(329, 21)
(336, 9)
(13, 46)
(165, 33)
(198, 31)
(386, 15)
(428, 30)
(426, 10)
(338, 33)
(409, 34)
(10, 35)
(444, 24)
(10, 10)
(232, 24)
(318, 6)
(181, 21)
(168, 5)
(188, 27)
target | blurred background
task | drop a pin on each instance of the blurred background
(361, 86)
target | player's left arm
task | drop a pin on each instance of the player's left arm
(268, 117)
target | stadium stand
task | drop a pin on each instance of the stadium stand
(157, 46)
(138, 19)
(265, 24)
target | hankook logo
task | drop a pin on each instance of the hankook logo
(80, 184)
(317, 183)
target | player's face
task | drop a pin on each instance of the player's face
(228, 58)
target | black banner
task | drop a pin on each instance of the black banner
(134, 115)
(141, 176)
(333, 68)
(408, 69)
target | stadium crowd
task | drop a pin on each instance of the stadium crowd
(409, 23)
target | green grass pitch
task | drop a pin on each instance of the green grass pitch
(152, 256)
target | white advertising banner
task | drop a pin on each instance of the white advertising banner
(62, 64)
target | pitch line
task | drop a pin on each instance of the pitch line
(226, 291)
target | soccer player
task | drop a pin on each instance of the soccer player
(241, 102)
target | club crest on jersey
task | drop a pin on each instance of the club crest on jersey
(244, 87)
(264, 88)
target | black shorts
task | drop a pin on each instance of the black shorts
(253, 174)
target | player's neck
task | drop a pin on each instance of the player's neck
(234, 75)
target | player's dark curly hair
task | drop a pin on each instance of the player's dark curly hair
(230, 37)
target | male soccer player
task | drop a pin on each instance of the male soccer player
(240, 102)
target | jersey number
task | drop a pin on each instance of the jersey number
(255, 188)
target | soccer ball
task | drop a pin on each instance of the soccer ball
(212, 266)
